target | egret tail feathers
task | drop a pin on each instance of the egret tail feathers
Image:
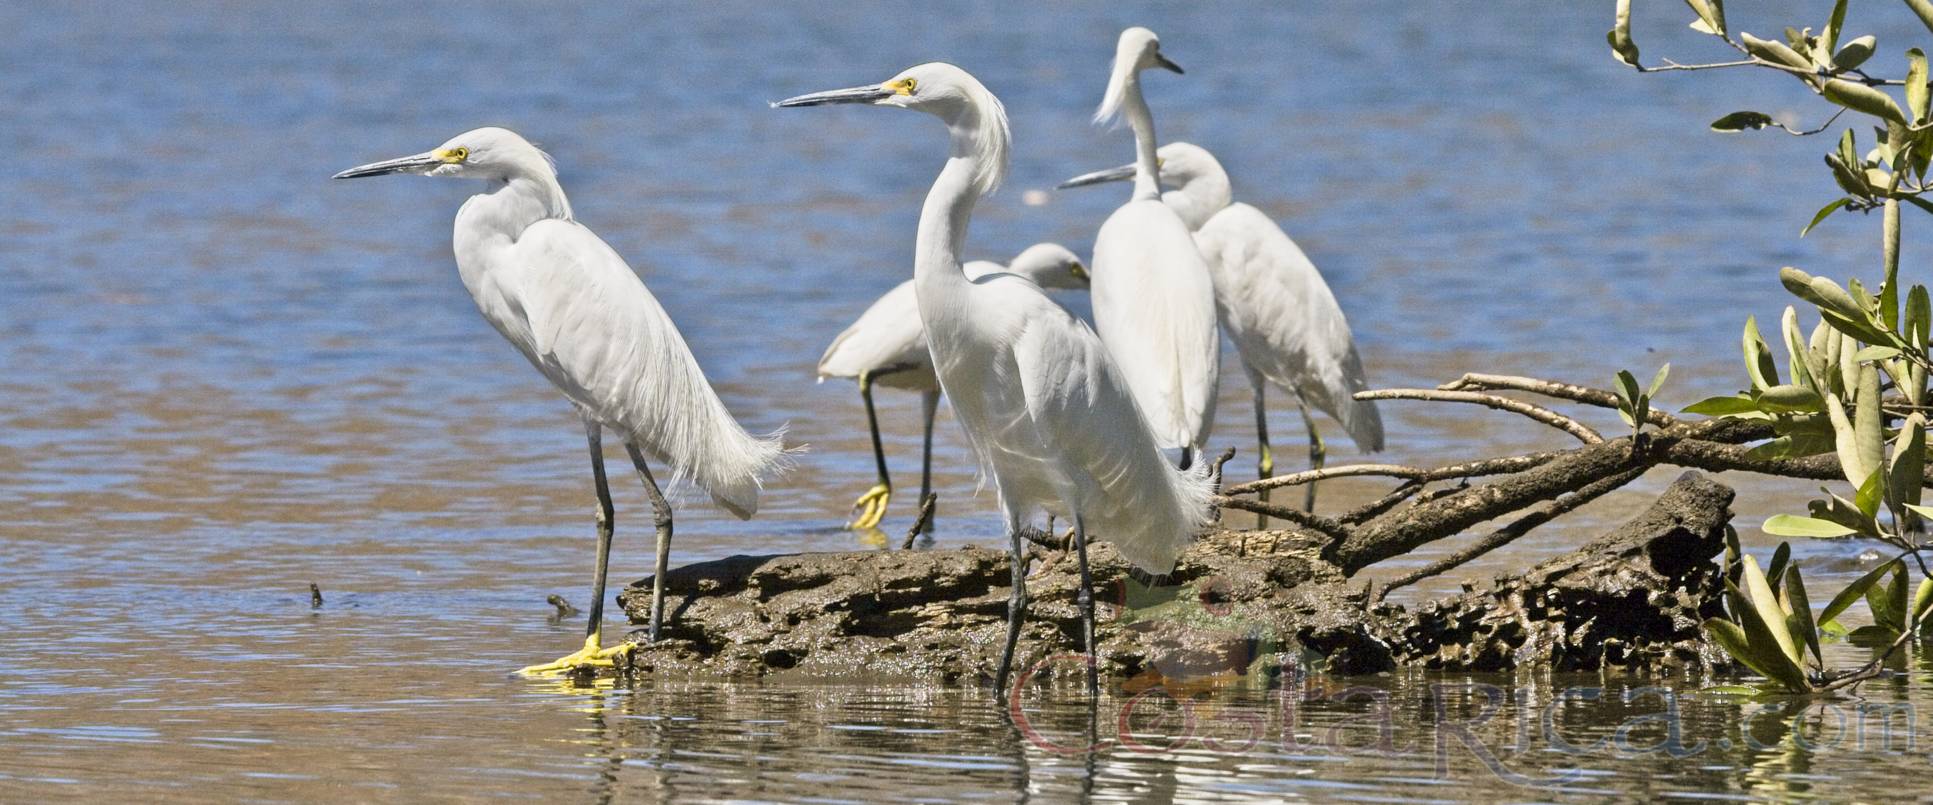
(1151, 533)
(1364, 423)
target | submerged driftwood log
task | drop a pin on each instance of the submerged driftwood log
(1239, 606)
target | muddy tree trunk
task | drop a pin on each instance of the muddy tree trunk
(1632, 598)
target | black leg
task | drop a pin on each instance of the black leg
(930, 402)
(872, 505)
(1187, 458)
(594, 433)
(661, 513)
(1316, 451)
(1016, 605)
(1265, 467)
(1086, 600)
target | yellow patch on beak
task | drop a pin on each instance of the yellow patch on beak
(452, 155)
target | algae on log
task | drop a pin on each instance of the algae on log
(1632, 598)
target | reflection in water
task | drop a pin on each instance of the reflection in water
(1408, 737)
(225, 379)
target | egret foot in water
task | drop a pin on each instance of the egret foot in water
(592, 654)
(870, 508)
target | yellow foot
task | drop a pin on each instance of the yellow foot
(870, 507)
(591, 654)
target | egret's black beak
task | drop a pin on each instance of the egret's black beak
(1162, 62)
(1120, 174)
(867, 94)
(419, 163)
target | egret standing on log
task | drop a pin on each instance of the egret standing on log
(1154, 304)
(572, 306)
(1273, 302)
(1049, 415)
(887, 346)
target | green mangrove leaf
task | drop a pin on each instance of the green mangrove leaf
(1711, 15)
(1861, 98)
(1781, 559)
(1722, 406)
(1855, 53)
(1792, 445)
(1869, 424)
(1823, 212)
(1924, 10)
(1835, 24)
(1801, 607)
(1853, 592)
(1767, 607)
(1759, 364)
(1787, 525)
(1916, 90)
(1795, 366)
(1768, 648)
(1908, 470)
(1788, 399)
(1845, 441)
(1742, 121)
(1870, 493)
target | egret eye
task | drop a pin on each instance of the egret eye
(461, 153)
(906, 86)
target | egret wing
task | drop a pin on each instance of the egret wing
(1155, 310)
(1091, 426)
(1284, 319)
(598, 334)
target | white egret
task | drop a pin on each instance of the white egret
(887, 346)
(1273, 302)
(1049, 415)
(1154, 304)
(572, 306)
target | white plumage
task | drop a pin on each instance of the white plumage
(578, 313)
(887, 347)
(889, 334)
(1154, 302)
(1047, 411)
(1272, 302)
(572, 306)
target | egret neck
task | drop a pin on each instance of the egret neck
(499, 215)
(1147, 169)
(938, 279)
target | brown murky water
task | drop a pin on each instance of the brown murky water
(224, 378)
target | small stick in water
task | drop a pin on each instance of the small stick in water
(919, 523)
(564, 608)
(315, 596)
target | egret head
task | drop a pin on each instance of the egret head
(487, 153)
(1199, 186)
(1050, 265)
(975, 117)
(1137, 50)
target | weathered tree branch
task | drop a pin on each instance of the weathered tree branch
(1550, 388)
(1552, 483)
(1517, 528)
(1536, 412)
(1468, 469)
(1310, 522)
